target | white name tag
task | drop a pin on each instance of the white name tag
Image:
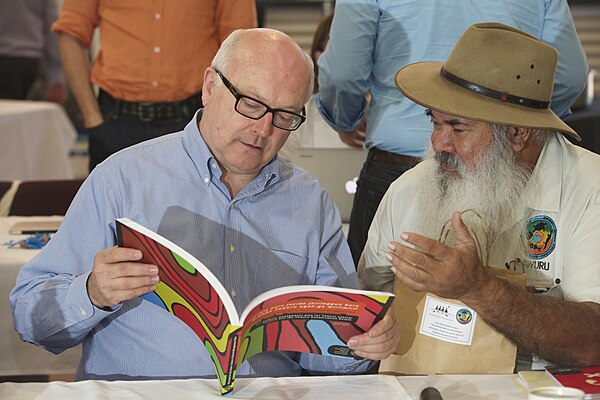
(449, 322)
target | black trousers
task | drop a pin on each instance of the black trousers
(17, 75)
(374, 180)
(119, 131)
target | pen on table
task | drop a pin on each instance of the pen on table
(431, 393)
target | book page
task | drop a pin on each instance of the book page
(189, 291)
(310, 319)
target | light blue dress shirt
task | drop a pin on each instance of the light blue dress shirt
(281, 229)
(371, 40)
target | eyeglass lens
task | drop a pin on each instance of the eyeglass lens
(255, 109)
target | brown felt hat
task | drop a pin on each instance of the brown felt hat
(495, 73)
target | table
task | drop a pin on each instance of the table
(359, 387)
(467, 387)
(36, 140)
(17, 357)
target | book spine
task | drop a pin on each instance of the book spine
(233, 362)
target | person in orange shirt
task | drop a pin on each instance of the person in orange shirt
(149, 69)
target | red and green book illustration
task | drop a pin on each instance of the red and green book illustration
(582, 378)
(308, 318)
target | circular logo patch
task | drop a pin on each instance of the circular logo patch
(541, 236)
(464, 316)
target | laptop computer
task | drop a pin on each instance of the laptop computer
(34, 226)
(337, 169)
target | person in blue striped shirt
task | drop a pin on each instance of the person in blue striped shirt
(219, 190)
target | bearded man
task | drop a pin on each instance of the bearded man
(530, 200)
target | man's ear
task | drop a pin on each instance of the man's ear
(208, 84)
(518, 137)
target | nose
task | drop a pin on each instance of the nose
(442, 139)
(264, 126)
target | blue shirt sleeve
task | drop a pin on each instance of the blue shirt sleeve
(50, 308)
(571, 72)
(346, 65)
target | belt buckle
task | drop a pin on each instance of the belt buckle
(146, 112)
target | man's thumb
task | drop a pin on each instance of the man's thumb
(461, 233)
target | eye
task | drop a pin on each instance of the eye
(250, 104)
(283, 117)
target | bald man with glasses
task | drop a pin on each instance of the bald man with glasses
(219, 190)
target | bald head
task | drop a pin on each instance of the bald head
(269, 52)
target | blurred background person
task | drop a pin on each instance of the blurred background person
(315, 132)
(150, 65)
(370, 41)
(28, 50)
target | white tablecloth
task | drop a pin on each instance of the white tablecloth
(17, 357)
(364, 387)
(36, 139)
(467, 387)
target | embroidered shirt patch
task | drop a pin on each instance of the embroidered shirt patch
(541, 236)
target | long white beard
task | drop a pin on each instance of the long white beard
(495, 188)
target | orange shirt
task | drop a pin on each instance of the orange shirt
(154, 50)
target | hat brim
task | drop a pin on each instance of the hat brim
(423, 84)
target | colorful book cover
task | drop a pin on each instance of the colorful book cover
(583, 378)
(309, 319)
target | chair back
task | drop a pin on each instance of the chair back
(4, 186)
(49, 197)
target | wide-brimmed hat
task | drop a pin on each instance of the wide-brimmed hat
(495, 73)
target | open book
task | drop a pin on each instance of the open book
(309, 319)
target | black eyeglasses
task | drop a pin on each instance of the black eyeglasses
(256, 109)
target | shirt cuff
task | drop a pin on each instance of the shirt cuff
(80, 304)
(338, 127)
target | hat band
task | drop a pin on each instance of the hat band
(494, 94)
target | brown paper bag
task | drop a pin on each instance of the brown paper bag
(489, 352)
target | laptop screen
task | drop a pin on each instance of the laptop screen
(337, 170)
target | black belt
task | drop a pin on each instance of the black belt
(147, 111)
(376, 154)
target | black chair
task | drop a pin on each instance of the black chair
(51, 197)
(4, 186)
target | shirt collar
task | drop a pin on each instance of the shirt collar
(196, 148)
(207, 166)
(548, 172)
